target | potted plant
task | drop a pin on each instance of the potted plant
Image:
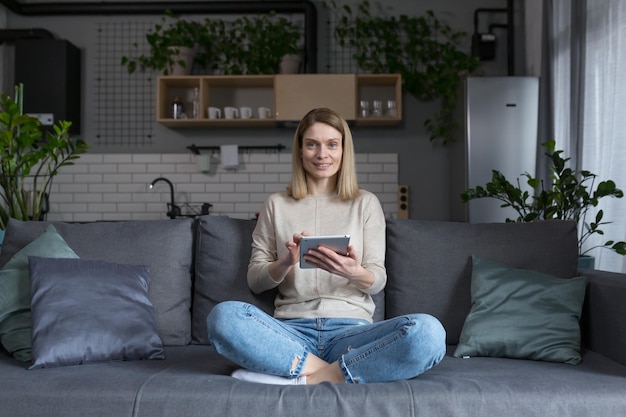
(570, 197)
(424, 50)
(253, 45)
(28, 161)
(175, 45)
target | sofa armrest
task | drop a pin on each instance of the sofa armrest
(603, 323)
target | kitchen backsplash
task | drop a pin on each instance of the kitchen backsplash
(115, 186)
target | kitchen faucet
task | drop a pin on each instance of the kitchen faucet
(172, 212)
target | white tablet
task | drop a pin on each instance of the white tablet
(338, 243)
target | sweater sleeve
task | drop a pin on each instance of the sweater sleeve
(264, 252)
(374, 244)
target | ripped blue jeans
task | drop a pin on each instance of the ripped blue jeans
(395, 349)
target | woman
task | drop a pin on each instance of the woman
(322, 329)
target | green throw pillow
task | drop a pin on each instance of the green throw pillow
(522, 314)
(15, 316)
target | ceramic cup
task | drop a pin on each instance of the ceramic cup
(264, 113)
(245, 112)
(214, 113)
(231, 113)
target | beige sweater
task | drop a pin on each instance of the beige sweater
(313, 293)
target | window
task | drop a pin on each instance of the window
(588, 72)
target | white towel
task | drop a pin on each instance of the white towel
(230, 156)
(204, 163)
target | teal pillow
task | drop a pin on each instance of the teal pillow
(522, 314)
(15, 315)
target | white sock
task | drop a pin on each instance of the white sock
(245, 375)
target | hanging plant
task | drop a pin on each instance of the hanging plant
(424, 50)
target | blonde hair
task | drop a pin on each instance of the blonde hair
(347, 185)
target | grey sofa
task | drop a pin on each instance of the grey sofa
(196, 263)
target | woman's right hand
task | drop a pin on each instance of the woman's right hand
(294, 247)
(279, 269)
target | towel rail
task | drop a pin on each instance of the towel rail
(196, 149)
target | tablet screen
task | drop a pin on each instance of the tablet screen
(338, 243)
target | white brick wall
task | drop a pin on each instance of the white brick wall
(115, 186)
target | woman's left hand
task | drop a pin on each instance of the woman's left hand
(345, 265)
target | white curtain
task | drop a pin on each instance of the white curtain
(588, 72)
(604, 127)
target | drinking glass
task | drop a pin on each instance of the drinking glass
(364, 107)
(378, 108)
(391, 108)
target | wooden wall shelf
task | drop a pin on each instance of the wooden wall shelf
(288, 96)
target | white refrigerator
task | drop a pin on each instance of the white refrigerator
(497, 130)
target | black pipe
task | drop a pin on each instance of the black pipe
(485, 10)
(511, 37)
(11, 35)
(305, 7)
(117, 8)
(497, 25)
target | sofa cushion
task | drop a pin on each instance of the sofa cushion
(223, 250)
(15, 315)
(522, 314)
(429, 262)
(86, 311)
(165, 246)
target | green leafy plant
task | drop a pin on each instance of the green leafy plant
(424, 50)
(165, 42)
(570, 197)
(253, 45)
(29, 160)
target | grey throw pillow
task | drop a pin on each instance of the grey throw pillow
(86, 311)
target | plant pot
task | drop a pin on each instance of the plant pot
(186, 55)
(586, 262)
(290, 64)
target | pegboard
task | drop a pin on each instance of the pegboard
(123, 102)
(339, 59)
